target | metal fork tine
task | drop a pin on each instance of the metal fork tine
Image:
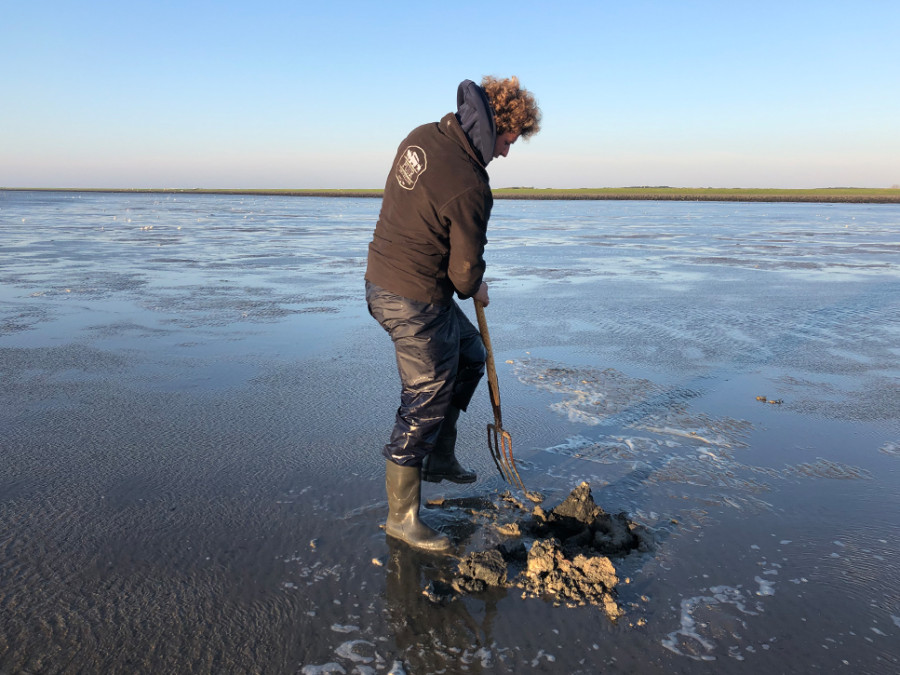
(492, 446)
(500, 445)
(510, 461)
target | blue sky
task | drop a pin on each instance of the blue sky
(295, 94)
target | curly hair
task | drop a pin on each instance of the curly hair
(515, 109)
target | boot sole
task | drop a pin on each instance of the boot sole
(437, 478)
(434, 546)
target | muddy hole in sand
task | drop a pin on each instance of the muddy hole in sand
(565, 554)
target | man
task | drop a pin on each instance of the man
(429, 244)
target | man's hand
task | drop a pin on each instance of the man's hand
(482, 295)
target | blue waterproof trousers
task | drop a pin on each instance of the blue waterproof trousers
(440, 358)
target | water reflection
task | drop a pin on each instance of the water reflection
(432, 627)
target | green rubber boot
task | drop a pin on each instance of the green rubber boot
(441, 464)
(404, 493)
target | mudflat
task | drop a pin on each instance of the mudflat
(194, 401)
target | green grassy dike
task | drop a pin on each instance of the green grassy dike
(845, 195)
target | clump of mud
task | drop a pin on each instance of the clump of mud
(563, 554)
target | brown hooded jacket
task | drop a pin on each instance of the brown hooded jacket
(430, 236)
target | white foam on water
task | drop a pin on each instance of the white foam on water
(892, 449)
(688, 631)
(542, 655)
(765, 587)
(348, 650)
(482, 655)
(609, 449)
(687, 640)
(684, 433)
(397, 669)
(734, 651)
(591, 396)
(572, 443)
(896, 620)
(338, 628)
(324, 669)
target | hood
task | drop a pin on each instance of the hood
(476, 119)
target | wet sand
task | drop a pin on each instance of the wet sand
(194, 401)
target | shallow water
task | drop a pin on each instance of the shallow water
(194, 400)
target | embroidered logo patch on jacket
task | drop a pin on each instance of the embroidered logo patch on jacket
(410, 166)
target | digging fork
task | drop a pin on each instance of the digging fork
(499, 440)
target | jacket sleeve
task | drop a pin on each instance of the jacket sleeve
(467, 218)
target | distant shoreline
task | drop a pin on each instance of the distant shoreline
(826, 195)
